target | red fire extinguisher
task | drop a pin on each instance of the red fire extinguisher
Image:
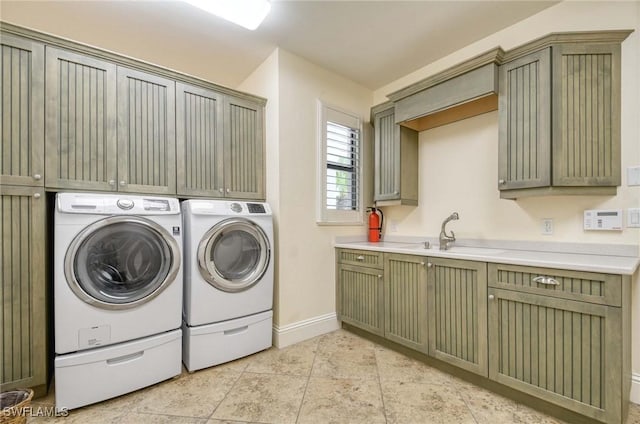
(375, 224)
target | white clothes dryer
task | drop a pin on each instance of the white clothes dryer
(117, 294)
(228, 274)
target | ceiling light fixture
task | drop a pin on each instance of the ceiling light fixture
(246, 13)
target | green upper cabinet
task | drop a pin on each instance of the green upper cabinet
(457, 292)
(146, 133)
(108, 127)
(560, 116)
(405, 300)
(199, 145)
(22, 91)
(586, 105)
(80, 122)
(243, 124)
(395, 159)
(525, 122)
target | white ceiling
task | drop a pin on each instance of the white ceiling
(370, 42)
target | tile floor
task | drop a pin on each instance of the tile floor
(335, 378)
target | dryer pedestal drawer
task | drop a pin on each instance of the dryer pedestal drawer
(212, 344)
(95, 375)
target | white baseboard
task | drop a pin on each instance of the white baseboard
(635, 388)
(303, 330)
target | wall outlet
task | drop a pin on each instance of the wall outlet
(547, 226)
(633, 176)
(393, 226)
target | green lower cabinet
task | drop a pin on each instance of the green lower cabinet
(566, 352)
(23, 328)
(359, 296)
(405, 300)
(457, 293)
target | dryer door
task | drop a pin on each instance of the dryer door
(234, 254)
(121, 262)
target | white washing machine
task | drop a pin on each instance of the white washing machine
(117, 294)
(228, 275)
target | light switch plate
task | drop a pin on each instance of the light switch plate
(547, 226)
(633, 176)
(633, 218)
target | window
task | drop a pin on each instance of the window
(339, 167)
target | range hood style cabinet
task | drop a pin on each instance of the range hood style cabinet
(558, 99)
(112, 124)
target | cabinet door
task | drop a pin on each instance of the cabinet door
(22, 91)
(80, 122)
(146, 133)
(386, 157)
(586, 126)
(457, 292)
(405, 281)
(199, 141)
(525, 122)
(565, 352)
(23, 348)
(243, 149)
(360, 297)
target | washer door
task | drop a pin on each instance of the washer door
(121, 262)
(234, 255)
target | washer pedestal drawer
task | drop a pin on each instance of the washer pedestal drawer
(86, 377)
(212, 344)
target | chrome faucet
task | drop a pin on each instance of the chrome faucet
(444, 238)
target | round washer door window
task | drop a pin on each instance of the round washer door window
(234, 255)
(121, 262)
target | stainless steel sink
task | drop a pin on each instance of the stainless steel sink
(465, 250)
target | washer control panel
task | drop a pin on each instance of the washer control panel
(236, 207)
(125, 204)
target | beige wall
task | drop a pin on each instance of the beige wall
(305, 261)
(458, 162)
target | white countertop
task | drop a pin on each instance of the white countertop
(592, 262)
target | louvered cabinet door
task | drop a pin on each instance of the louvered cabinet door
(23, 344)
(457, 292)
(586, 126)
(243, 149)
(360, 297)
(22, 106)
(565, 352)
(80, 122)
(405, 296)
(146, 133)
(386, 156)
(525, 122)
(199, 143)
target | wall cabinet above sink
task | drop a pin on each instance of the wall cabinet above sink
(560, 116)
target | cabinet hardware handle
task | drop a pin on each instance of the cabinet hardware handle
(36, 196)
(112, 182)
(123, 183)
(221, 190)
(429, 264)
(360, 258)
(396, 192)
(501, 182)
(379, 275)
(228, 190)
(37, 177)
(548, 281)
(422, 263)
(491, 297)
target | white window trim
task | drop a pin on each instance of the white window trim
(326, 216)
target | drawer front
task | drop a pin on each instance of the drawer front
(360, 258)
(605, 289)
